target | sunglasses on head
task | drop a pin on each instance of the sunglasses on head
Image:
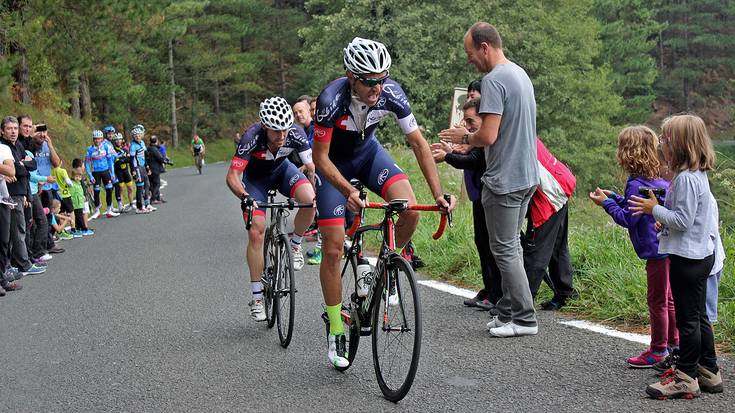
(370, 81)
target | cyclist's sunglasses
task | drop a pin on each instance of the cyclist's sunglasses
(370, 82)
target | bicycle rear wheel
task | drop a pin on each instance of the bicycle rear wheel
(284, 297)
(396, 328)
(199, 164)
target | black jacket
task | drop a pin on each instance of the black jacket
(155, 160)
(21, 187)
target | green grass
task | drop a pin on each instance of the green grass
(610, 278)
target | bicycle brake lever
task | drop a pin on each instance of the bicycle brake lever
(448, 198)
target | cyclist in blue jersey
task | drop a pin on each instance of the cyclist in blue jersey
(139, 171)
(110, 134)
(348, 111)
(260, 164)
(100, 164)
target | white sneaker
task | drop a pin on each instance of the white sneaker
(298, 257)
(113, 209)
(111, 213)
(337, 351)
(513, 330)
(151, 208)
(46, 257)
(257, 311)
(96, 214)
(495, 323)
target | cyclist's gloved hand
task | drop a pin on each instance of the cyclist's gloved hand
(354, 203)
(446, 206)
(246, 201)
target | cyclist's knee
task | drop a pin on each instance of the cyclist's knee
(409, 218)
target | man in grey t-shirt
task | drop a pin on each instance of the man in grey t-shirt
(508, 133)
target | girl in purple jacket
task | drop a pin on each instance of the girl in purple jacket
(637, 154)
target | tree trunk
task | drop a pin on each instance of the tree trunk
(174, 127)
(194, 99)
(86, 98)
(215, 97)
(73, 85)
(23, 77)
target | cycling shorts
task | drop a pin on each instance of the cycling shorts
(102, 177)
(372, 166)
(285, 178)
(123, 175)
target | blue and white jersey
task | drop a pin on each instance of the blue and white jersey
(99, 158)
(346, 123)
(137, 153)
(253, 152)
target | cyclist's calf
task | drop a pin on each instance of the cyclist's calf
(405, 227)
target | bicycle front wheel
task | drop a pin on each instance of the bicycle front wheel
(270, 260)
(396, 328)
(284, 297)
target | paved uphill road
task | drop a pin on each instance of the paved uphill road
(150, 314)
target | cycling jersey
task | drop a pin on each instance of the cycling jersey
(99, 158)
(348, 123)
(285, 178)
(253, 153)
(137, 153)
(197, 146)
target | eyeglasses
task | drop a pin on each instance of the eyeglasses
(372, 81)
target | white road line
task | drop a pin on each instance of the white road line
(585, 325)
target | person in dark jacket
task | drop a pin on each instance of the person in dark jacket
(20, 190)
(473, 164)
(156, 163)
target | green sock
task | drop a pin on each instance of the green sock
(335, 319)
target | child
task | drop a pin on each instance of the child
(59, 221)
(687, 236)
(62, 179)
(86, 188)
(637, 154)
(78, 201)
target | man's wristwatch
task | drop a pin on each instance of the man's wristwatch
(466, 139)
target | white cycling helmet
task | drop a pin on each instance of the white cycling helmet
(275, 113)
(97, 134)
(364, 56)
(138, 130)
(117, 137)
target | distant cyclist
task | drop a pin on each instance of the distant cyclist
(122, 172)
(99, 163)
(259, 165)
(348, 112)
(198, 150)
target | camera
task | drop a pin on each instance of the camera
(658, 192)
(41, 127)
(168, 161)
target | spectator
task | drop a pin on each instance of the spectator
(303, 116)
(36, 221)
(7, 173)
(155, 164)
(60, 221)
(79, 201)
(20, 192)
(474, 89)
(77, 163)
(122, 171)
(473, 164)
(508, 133)
(545, 243)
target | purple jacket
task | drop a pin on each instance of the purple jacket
(641, 228)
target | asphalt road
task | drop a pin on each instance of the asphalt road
(150, 314)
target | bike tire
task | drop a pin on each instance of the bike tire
(284, 293)
(269, 280)
(350, 308)
(402, 334)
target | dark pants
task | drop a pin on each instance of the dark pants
(47, 199)
(4, 238)
(37, 232)
(102, 178)
(79, 220)
(491, 278)
(688, 280)
(18, 250)
(547, 247)
(155, 180)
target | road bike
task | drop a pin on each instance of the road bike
(279, 289)
(384, 302)
(199, 162)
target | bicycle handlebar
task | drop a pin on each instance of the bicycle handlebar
(418, 207)
(248, 204)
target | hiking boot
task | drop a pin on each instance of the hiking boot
(472, 302)
(674, 384)
(337, 350)
(495, 323)
(257, 311)
(668, 362)
(708, 381)
(513, 330)
(315, 257)
(646, 360)
(298, 257)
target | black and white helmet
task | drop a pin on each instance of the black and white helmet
(275, 113)
(363, 56)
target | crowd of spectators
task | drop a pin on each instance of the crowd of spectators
(42, 203)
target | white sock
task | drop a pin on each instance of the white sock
(296, 239)
(256, 287)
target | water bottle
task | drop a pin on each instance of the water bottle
(364, 277)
